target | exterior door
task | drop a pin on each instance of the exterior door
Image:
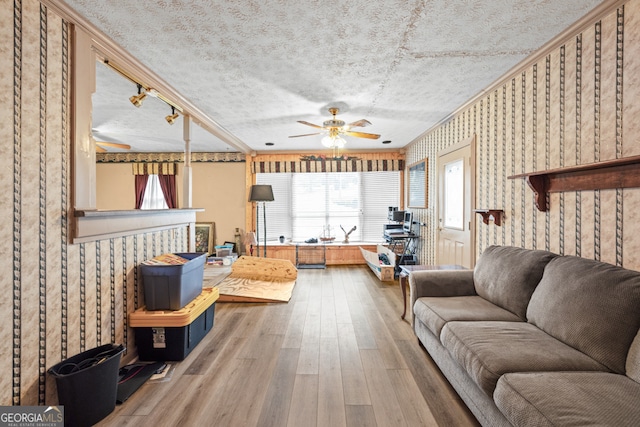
(455, 195)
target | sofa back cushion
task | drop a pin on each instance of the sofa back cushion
(633, 359)
(507, 276)
(589, 305)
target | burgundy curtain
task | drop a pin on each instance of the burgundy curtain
(141, 185)
(168, 185)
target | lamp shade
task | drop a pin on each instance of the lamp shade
(251, 238)
(261, 193)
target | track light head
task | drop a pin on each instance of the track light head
(136, 100)
(171, 118)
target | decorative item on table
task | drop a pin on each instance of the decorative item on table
(346, 235)
(326, 234)
(250, 239)
(238, 241)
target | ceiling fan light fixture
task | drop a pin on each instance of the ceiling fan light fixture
(171, 118)
(327, 141)
(333, 141)
(136, 100)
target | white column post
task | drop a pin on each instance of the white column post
(187, 200)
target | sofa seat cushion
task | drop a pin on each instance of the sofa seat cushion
(568, 399)
(592, 306)
(435, 312)
(488, 350)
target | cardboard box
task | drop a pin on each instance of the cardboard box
(385, 273)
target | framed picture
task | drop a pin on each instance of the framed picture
(418, 176)
(204, 237)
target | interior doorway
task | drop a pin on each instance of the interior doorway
(456, 195)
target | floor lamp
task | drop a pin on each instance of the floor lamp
(261, 193)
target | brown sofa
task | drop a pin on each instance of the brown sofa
(530, 338)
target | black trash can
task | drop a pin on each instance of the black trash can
(87, 384)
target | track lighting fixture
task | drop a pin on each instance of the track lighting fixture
(144, 90)
(136, 100)
(171, 118)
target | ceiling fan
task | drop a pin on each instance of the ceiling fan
(334, 127)
(101, 146)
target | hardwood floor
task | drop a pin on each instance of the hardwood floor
(337, 354)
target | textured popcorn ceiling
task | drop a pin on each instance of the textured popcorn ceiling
(256, 67)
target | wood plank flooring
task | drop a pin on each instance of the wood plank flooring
(337, 354)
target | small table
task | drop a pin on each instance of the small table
(405, 270)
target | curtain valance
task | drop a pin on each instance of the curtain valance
(327, 165)
(154, 168)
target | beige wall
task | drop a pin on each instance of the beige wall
(576, 104)
(219, 188)
(115, 185)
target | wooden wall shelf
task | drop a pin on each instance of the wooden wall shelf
(618, 173)
(488, 214)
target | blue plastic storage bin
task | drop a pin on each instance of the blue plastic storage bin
(171, 287)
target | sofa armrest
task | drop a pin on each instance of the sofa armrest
(440, 283)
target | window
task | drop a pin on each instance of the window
(153, 196)
(307, 203)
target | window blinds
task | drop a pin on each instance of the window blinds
(308, 205)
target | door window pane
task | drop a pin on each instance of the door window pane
(454, 195)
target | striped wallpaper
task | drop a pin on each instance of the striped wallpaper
(573, 106)
(576, 104)
(59, 298)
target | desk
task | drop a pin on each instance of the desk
(405, 270)
(403, 244)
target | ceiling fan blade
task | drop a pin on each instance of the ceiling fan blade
(100, 149)
(310, 124)
(114, 145)
(363, 135)
(360, 123)
(306, 134)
